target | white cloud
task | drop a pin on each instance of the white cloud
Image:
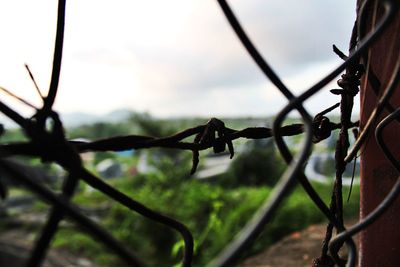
(173, 57)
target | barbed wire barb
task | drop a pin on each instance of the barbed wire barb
(50, 144)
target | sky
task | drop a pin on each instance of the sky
(171, 58)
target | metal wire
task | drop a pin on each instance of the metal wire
(73, 212)
(52, 145)
(390, 198)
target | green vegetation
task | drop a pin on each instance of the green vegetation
(258, 164)
(214, 214)
(12, 135)
(214, 211)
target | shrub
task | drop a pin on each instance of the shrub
(258, 164)
(213, 214)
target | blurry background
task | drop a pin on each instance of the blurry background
(155, 68)
(172, 58)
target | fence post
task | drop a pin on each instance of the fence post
(379, 243)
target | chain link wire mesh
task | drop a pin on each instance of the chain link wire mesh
(51, 145)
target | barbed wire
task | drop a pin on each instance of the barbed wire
(51, 145)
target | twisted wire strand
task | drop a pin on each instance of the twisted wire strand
(68, 159)
(287, 181)
(392, 195)
(391, 9)
(60, 204)
(121, 143)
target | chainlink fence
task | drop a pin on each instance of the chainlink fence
(50, 145)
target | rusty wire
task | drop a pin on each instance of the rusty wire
(51, 145)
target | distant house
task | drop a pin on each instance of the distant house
(143, 165)
(214, 165)
(126, 153)
(109, 169)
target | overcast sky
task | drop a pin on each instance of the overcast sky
(172, 58)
